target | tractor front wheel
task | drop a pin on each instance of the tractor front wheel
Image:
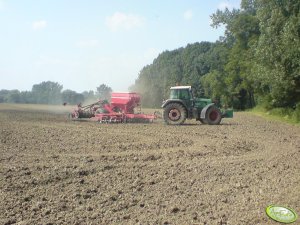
(174, 114)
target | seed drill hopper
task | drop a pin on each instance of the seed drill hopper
(123, 108)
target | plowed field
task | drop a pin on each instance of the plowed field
(56, 171)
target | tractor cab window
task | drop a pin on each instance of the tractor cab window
(184, 94)
(174, 94)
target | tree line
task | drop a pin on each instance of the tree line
(49, 92)
(256, 62)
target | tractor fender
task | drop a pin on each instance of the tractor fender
(203, 112)
(167, 102)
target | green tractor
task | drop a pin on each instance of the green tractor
(182, 105)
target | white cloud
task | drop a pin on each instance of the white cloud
(188, 15)
(122, 21)
(37, 25)
(87, 43)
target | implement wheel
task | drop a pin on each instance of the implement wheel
(174, 114)
(213, 116)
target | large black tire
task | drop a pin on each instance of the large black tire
(174, 114)
(213, 116)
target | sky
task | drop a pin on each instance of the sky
(84, 43)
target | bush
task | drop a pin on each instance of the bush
(296, 113)
(265, 102)
(291, 115)
(287, 113)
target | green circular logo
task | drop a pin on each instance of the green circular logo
(281, 214)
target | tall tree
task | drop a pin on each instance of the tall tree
(278, 52)
(26, 97)
(213, 82)
(47, 92)
(89, 97)
(14, 96)
(72, 97)
(242, 33)
(104, 92)
(3, 95)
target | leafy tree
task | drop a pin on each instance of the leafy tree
(3, 95)
(213, 82)
(277, 53)
(13, 96)
(47, 92)
(89, 96)
(72, 97)
(241, 36)
(26, 97)
(104, 92)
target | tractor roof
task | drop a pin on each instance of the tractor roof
(181, 87)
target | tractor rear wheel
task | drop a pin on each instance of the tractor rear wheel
(174, 114)
(213, 116)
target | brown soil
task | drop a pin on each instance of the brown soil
(56, 171)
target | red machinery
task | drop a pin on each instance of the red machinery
(119, 110)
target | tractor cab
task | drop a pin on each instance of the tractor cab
(183, 93)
